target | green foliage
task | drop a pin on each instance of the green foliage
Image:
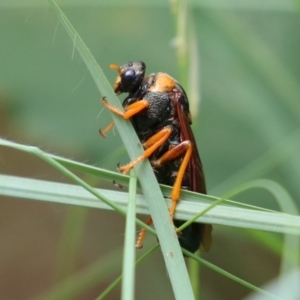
(239, 63)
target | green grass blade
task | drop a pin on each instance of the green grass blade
(33, 189)
(129, 249)
(118, 280)
(229, 275)
(92, 170)
(63, 197)
(280, 222)
(165, 230)
(290, 257)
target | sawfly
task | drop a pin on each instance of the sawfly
(158, 108)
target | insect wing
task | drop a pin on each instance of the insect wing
(197, 179)
(196, 233)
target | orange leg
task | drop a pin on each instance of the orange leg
(139, 242)
(184, 147)
(130, 110)
(169, 156)
(151, 145)
(106, 129)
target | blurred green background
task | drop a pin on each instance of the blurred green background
(247, 127)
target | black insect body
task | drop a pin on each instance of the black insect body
(158, 108)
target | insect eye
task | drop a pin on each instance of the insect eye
(129, 75)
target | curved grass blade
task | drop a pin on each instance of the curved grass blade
(176, 267)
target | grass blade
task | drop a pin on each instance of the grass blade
(165, 230)
(229, 275)
(129, 249)
(33, 189)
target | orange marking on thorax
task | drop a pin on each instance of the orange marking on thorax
(163, 83)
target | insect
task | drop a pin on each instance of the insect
(158, 108)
